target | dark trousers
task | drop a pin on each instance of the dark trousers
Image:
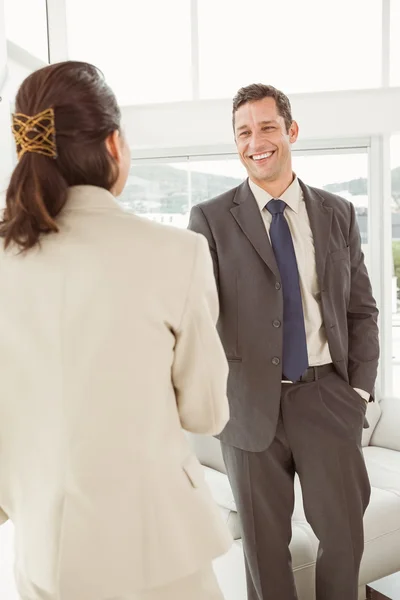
(319, 437)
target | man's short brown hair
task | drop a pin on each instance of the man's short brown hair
(259, 91)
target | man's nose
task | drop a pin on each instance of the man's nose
(256, 143)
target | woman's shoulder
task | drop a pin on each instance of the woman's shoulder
(164, 233)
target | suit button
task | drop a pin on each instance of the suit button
(276, 361)
(276, 323)
(278, 285)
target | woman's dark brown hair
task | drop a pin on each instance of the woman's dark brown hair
(86, 113)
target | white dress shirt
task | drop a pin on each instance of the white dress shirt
(303, 241)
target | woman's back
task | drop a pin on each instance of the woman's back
(108, 347)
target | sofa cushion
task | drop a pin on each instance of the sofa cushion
(222, 494)
(382, 538)
(382, 545)
(382, 519)
(220, 487)
(383, 468)
(373, 415)
(231, 519)
(208, 451)
(386, 433)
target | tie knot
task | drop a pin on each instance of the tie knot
(276, 207)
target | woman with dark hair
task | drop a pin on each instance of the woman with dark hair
(108, 351)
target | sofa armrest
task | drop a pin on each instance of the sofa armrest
(207, 450)
(220, 488)
(373, 416)
(387, 431)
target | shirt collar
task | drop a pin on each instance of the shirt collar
(292, 195)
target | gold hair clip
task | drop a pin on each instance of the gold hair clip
(35, 134)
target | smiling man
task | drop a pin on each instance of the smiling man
(299, 326)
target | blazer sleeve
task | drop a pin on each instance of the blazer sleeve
(200, 368)
(362, 318)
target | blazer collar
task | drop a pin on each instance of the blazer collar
(84, 197)
(247, 214)
(321, 217)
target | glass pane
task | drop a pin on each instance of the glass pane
(343, 174)
(212, 178)
(395, 300)
(395, 42)
(165, 192)
(143, 48)
(26, 25)
(305, 46)
(159, 192)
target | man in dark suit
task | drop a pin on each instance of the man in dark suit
(299, 325)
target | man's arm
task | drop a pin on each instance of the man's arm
(200, 369)
(199, 224)
(362, 318)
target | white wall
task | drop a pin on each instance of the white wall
(206, 125)
(18, 64)
(15, 64)
(5, 142)
(3, 55)
(16, 73)
(5, 137)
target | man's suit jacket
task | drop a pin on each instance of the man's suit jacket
(108, 348)
(251, 300)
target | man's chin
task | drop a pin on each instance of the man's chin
(264, 176)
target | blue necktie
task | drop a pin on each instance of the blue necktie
(295, 357)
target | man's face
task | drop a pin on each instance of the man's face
(263, 142)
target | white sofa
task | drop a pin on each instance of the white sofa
(382, 520)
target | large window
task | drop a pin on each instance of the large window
(395, 42)
(159, 191)
(343, 173)
(143, 48)
(298, 46)
(165, 192)
(26, 25)
(160, 51)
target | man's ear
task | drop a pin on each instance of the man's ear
(293, 132)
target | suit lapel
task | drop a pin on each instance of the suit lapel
(321, 223)
(248, 217)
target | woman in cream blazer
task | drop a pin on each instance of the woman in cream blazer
(108, 350)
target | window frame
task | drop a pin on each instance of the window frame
(58, 44)
(25, 56)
